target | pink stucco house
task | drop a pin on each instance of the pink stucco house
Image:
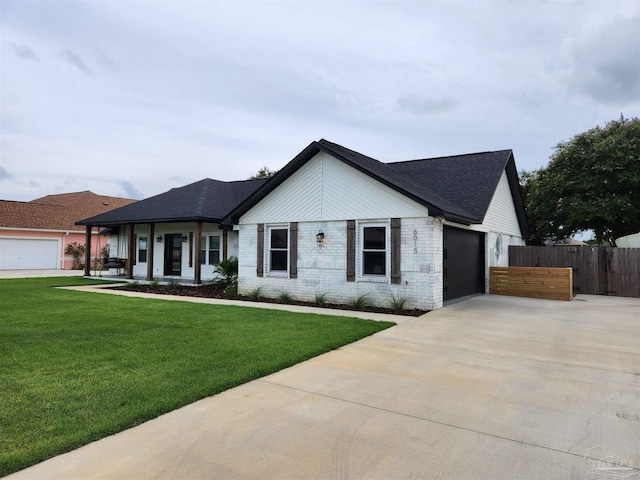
(35, 234)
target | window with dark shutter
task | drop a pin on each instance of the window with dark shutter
(374, 250)
(278, 249)
(260, 251)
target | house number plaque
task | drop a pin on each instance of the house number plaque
(415, 242)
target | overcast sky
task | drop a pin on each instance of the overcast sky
(134, 98)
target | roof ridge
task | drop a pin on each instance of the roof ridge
(450, 156)
(326, 142)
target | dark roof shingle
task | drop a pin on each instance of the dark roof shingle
(206, 200)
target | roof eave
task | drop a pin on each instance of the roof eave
(114, 223)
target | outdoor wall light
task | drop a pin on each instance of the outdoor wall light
(159, 238)
(185, 238)
(320, 237)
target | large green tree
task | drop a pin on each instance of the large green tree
(591, 183)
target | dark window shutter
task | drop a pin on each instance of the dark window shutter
(260, 252)
(293, 250)
(351, 250)
(395, 251)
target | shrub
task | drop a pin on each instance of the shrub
(155, 284)
(360, 303)
(285, 297)
(397, 303)
(227, 271)
(321, 299)
(76, 250)
(173, 286)
(255, 294)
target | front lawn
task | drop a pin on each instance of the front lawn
(76, 366)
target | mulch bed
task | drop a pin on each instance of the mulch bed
(216, 291)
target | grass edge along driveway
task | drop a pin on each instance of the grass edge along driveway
(77, 366)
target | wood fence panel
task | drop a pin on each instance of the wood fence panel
(623, 271)
(596, 270)
(533, 282)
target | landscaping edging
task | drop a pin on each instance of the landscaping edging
(217, 292)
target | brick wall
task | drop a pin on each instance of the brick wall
(322, 267)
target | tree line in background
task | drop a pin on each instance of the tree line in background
(592, 182)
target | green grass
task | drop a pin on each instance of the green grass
(77, 366)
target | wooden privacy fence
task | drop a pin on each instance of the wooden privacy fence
(596, 270)
(550, 283)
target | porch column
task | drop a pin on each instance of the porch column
(87, 251)
(197, 267)
(225, 243)
(132, 252)
(150, 243)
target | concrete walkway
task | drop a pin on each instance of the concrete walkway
(490, 388)
(107, 288)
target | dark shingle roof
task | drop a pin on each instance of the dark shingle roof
(206, 201)
(457, 188)
(468, 181)
(406, 184)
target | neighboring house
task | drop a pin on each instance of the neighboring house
(629, 241)
(567, 242)
(177, 234)
(339, 223)
(35, 235)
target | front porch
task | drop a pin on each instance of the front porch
(177, 252)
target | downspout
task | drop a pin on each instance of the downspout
(62, 254)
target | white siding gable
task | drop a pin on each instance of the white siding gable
(501, 216)
(328, 189)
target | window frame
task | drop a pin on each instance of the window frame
(205, 249)
(379, 277)
(269, 257)
(141, 250)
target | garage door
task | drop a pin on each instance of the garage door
(463, 263)
(22, 254)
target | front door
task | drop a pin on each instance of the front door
(173, 254)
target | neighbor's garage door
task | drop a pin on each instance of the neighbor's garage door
(463, 263)
(21, 254)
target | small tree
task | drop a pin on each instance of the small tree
(227, 271)
(76, 250)
(264, 172)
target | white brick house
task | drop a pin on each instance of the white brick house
(337, 223)
(334, 222)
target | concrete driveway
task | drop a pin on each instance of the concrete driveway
(40, 273)
(490, 388)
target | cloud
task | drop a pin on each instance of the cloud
(606, 65)
(108, 63)
(420, 105)
(25, 52)
(4, 174)
(130, 191)
(74, 59)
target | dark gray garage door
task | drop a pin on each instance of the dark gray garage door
(463, 263)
